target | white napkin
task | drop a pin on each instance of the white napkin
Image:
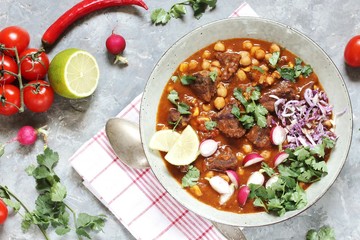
(134, 196)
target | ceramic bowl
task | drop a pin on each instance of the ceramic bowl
(259, 28)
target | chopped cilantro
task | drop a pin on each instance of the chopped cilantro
(291, 73)
(191, 177)
(187, 80)
(274, 58)
(210, 125)
(257, 68)
(213, 76)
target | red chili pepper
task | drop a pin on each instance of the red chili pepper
(79, 10)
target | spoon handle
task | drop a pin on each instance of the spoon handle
(230, 232)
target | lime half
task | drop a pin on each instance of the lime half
(74, 73)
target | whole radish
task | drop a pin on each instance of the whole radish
(115, 44)
(27, 135)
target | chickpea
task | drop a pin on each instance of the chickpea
(193, 64)
(268, 56)
(221, 91)
(270, 80)
(206, 54)
(241, 75)
(239, 156)
(205, 65)
(254, 62)
(196, 190)
(196, 112)
(219, 103)
(274, 48)
(209, 174)
(247, 148)
(247, 69)
(215, 63)
(265, 154)
(184, 67)
(219, 46)
(276, 75)
(244, 54)
(253, 50)
(206, 107)
(262, 79)
(264, 67)
(259, 54)
(245, 61)
(247, 45)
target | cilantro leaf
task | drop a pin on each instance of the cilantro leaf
(187, 80)
(324, 233)
(210, 125)
(191, 177)
(58, 192)
(49, 158)
(257, 68)
(173, 97)
(160, 16)
(274, 58)
(287, 73)
(183, 108)
(177, 11)
(213, 75)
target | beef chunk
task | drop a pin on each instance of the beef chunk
(223, 159)
(282, 89)
(203, 86)
(260, 137)
(230, 64)
(228, 124)
(174, 116)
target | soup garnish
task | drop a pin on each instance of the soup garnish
(252, 124)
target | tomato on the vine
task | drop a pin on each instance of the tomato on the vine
(352, 52)
(3, 211)
(7, 64)
(9, 99)
(38, 96)
(14, 36)
(34, 64)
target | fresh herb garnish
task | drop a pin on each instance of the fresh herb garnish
(173, 97)
(174, 78)
(183, 108)
(274, 58)
(187, 80)
(213, 75)
(51, 208)
(255, 112)
(257, 68)
(191, 177)
(178, 10)
(291, 73)
(324, 233)
(210, 125)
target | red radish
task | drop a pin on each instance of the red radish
(116, 44)
(271, 181)
(256, 178)
(243, 195)
(27, 135)
(277, 135)
(208, 147)
(225, 197)
(252, 158)
(233, 177)
(279, 158)
(219, 184)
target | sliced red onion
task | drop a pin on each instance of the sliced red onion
(219, 184)
(256, 178)
(225, 197)
(208, 147)
(279, 158)
(243, 195)
(277, 135)
(252, 158)
(233, 177)
(271, 181)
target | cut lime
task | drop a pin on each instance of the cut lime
(73, 73)
(186, 148)
(163, 140)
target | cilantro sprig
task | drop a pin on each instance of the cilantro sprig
(292, 73)
(182, 107)
(254, 112)
(191, 177)
(51, 210)
(178, 10)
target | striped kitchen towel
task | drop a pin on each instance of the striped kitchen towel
(135, 196)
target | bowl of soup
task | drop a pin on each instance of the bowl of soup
(246, 121)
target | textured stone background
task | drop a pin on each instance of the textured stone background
(329, 23)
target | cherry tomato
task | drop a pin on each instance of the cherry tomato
(12, 37)
(3, 211)
(352, 52)
(7, 64)
(34, 64)
(9, 99)
(38, 96)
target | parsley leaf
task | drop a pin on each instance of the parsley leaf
(191, 177)
(210, 125)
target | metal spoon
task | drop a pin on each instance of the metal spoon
(124, 137)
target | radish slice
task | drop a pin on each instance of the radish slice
(279, 158)
(252, 158)
(219, 184)
(271, 181)
(256, 178)
(243, 195)
(233, 177)
(208, 147)
(277, 135)
(225, 197)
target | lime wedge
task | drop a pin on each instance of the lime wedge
(163, 140)
(73, 73)
(186, 148)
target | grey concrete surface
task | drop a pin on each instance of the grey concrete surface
(329, 23)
